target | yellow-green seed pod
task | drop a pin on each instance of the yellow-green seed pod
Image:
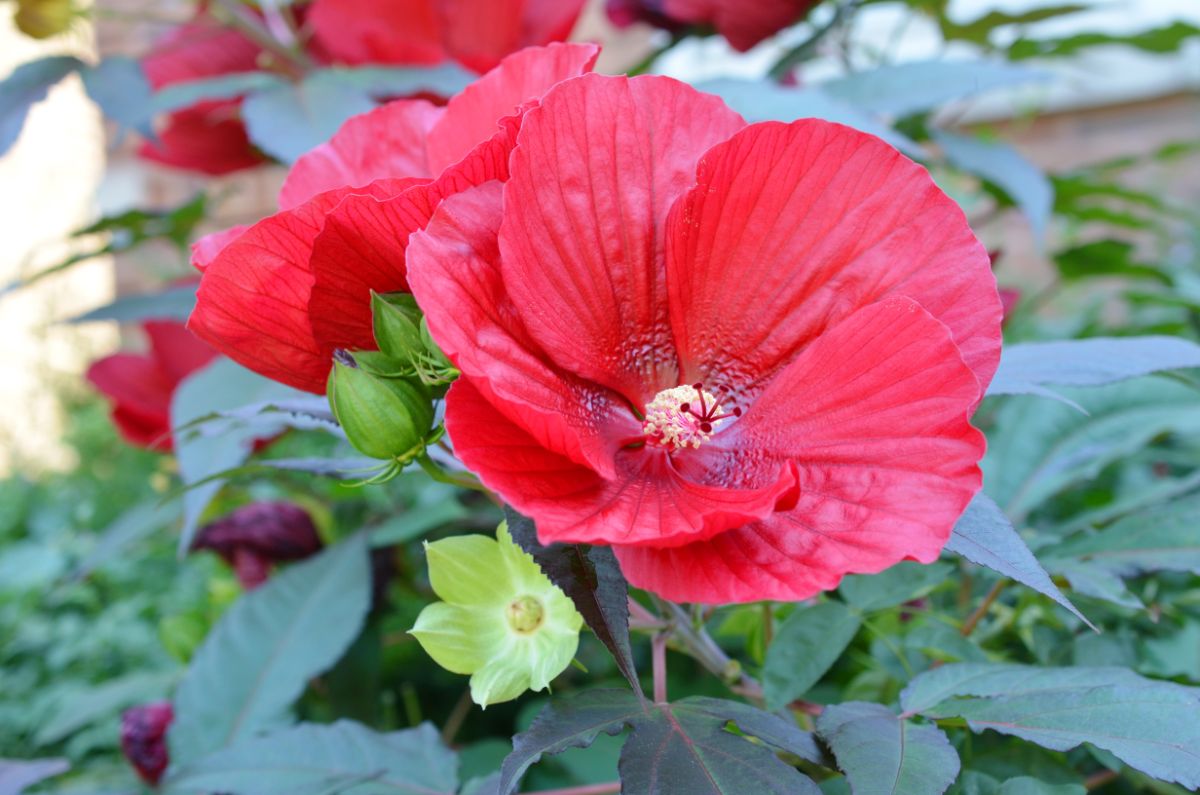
(386, 418)
(41, 19)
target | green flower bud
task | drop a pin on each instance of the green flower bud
(397, 324)
(387, 418)
(501, 619)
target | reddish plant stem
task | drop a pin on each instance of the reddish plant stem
(607, 788)
(1098, 780)
(658, 657)
(973, 620)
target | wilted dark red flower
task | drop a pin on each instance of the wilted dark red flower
(476, 33)
(255, 537)
(744, 24)
(743, 356)
(208, 136)
(144, 739)
(140, 386)
(284, 294)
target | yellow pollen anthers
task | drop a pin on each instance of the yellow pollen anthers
(525, 614)
(683, 416)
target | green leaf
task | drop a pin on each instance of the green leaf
(806, 645)
(174, 302)
(130, 527)
(903, 89)
(893, 586)
(1165, 538)
(1037, 448)
(1003, 166)
(313, 759)
(1024, 785)
(769, 727)
(684, 749)
(985, 536)
(261, 654)
(203, 453)
(764, 101)
(979, 30)
(103, 702)
(882, 754)
(25, 86)
(1165, 39)
(1176, 654)
(17, 774)
(1154, 727)
(1096, 582)
(571, 722)
(229, 86)
(119, 86)
(287, 120)
(1105, 258)
(1027, 368)
(592, 578)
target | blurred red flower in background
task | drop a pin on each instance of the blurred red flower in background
(743, 24)
(476, 33)
(144, 739)
(282, 295)
(208, 136)
(254, 537)
(743, 356)
(140, 386)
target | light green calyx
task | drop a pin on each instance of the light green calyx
(500, 620)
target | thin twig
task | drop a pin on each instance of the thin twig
(793, 57)
(973, 620)
(658, 659)
(249, 25)
(607, 788)
(454, 720)
(1098, 780)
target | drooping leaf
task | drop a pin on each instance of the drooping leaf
(592, 578)
(1164, 538)
(175, 303)
(571, 722)
(1037, 448)
(17, 774)
(119, 86)
(806, 645)
(763, 101)
(287, 120)
(259, 657)
(220, 386)
(769, 727)
(682, 749)
(1003, 166)
(893, 586)
(313, 759)
(985, 536)
(1152, 726)
(906, 88)
(1027, 368)
(228, 86)
(25, 86)
(883, 754)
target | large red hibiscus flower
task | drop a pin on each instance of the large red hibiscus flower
(743, 24)
(140, 386)
(282, 295)
(743, 356)
(476, 33)
(209, 136)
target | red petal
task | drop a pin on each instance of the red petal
(209, 139)
(478, 33)
(141, 397)
(456, 277)
(473, 115)
(201, 48)
(252, 304)
(388, 141)
(874, 416)
(378, 31)
(177, 352)
(647, 501)
(596, 168)
(792, 227)
(743, 24)
(206, 249)
(363, 245)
